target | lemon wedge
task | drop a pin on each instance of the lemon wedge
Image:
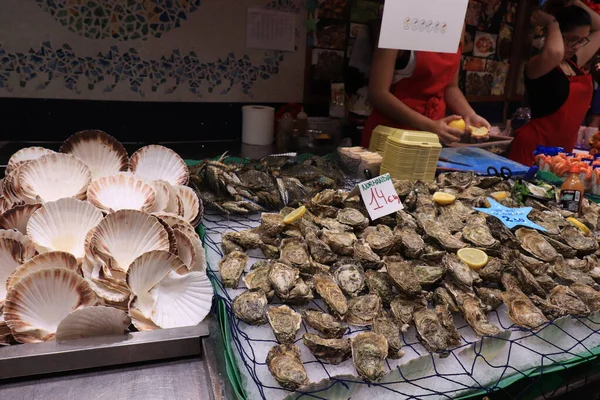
(578, 224)
(474, 258)
(498, 196)
(482, 131)
(443, 198)
(459, 124)
(294, 215)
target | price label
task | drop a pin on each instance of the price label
(380, 197)
(510, 217)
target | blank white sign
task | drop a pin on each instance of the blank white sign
(424, 25)
(270, 30)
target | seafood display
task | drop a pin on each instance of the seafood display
(412, 270)
(272, 183)
(95, 243)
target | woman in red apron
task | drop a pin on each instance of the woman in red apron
(559, 92)
(410, 90)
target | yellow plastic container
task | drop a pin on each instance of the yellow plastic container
(379, 138)
(411, 155)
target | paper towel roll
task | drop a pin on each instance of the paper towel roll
(257, 125)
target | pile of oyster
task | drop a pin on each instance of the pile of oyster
(93, 242)
(402, 270)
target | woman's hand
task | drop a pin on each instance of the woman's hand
(540, 18)
(477, 122)
(447, 135)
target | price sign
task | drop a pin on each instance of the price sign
(380, 196)
(510, 217)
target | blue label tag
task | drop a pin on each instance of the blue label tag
(510, 217)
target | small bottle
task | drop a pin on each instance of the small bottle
(302, 122)
(571, 191)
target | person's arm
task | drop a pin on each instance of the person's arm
(458, 104)
(382, 75)
(586, 53)
(554, 49)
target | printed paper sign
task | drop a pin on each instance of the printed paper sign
(424, 25)
(380, 197)
(271, 30)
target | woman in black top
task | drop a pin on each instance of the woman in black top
(559, 91)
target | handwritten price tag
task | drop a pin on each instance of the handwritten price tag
(380, 197)
(510, 217)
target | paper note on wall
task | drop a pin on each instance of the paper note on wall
(424, 25)
(270, 30)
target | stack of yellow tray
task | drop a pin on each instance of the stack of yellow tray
(379, 138)
(411, 155)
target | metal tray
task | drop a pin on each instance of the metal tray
(50, 357)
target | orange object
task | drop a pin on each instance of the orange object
(571, 191)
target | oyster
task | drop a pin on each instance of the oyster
(461, 180)
(285, 323)
(578, 241)
(459, 209)
(402, 275)
(324, 323)
(509, 282)
(301, 293)
(431, 333)
(332, 224)
(564, 298)
(340, 242)
(445, 317)
(363, 309)
(410, 242)
(552, 221)
(527, 281)
(472, 310)
(330, 197)
(258, 278)
(440, 234)
(369, 350)
(386, 327)
(331, 294)
(550, 310)
(231, 268)
(502, 233)
(380, 238)
(428, 275)
(247, 239)
(402, 311)
(405, 220)
(379, 284)
(353, 218)
(459, 272)
(283, 278)
(250, 307)
(546, 282)
(365, 255)
(286, 367)
(535, 244)
(522, 311)
(452, 221)
(533, 265)
(480, 236)
(492, 271)
(349, 277)
(229, 247)
(294, 252)
(403, 187)
(271, 224)
(589, 296)
(561, 248)
(330, 351)
(491, 298)
(441, 297)
(319, 250)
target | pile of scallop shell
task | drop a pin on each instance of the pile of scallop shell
(402, 271)
(92, 241)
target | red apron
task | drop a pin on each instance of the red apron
(423, 92)
(558, 129)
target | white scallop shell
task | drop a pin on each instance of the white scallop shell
(62, 225)
(101, 152)
(191, 204)
(26, 154)
(123, 236)
(162, 190)
(91, 273)
(26, 242)
(170, 218)
(12, 186)
(186, 228)
(185, 250)
(91, 322)
(158, 162)
(39, 302)
(53, 259)
(181, 300)
(139, 320)
(121, 192)
(172, 240)
(149, 269)
(18, 217)
(55, 176)
(10, 259)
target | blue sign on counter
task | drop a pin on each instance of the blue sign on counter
(510, 217)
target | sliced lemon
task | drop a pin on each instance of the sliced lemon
(443, 198)
(474, 258)
(482, 131)
(498, 196)
(294, 215)
(459, 124)
(578, 224)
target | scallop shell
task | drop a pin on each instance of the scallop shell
(181, 300)
(200, 261)
(91, 272)
(102, 153)
(121, 192)
(191, 204)
(171, 234)
(185, 249)
(53, 259)
(149, 269)
(55, 176)
(158, 162)
(26, 154)
(170, 218)
(166, 197)
(18, 217)
(93, 321)
(11, 186)
(124, 235)
(62, 225)
(26, 243)
(37, 304)
(10, 259)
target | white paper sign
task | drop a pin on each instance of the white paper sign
(424, 25)
(380, 196)
(270, 30)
